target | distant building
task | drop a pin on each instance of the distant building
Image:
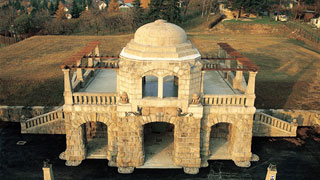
(316, 21)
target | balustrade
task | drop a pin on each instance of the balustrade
(94, 98)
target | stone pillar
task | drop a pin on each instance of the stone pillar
(206, 141)
(202, 81)
(160, 87)
(272, 172)
(118, 81)
(79, 72)
(47, 171)
(97, 53)
(250, 93)
(90, 62)
(241, 139)
(67, 87)
(237, 81)
(187, 144)
(23, 120)
(294, 127)
(76, 150)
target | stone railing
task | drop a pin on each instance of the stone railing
(224, 100)
(94, 98)
(275, 122)
(42, 119)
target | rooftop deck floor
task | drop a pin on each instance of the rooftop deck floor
(214, 84)
(105, 81)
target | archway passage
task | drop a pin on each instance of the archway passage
(158, 145)
(170, 86)
(96, 140)
(219, 144)
(149, 86)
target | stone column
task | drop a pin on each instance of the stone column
(206, 141)
(90, 62)
(97, 53)
(130, 145)
(47, 171)
(67, 87)
(241, 139)
(160, 87)
(76, 150)
(272, 172)
(202, 82)
(79, 72)
(250, 92)
(237, 81)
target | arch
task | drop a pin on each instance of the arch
(159, 72)
(170, 86)
(154, 118)
(220, 119)
(80, 118)
(149, 86)
(221, 136)
(96, 139)
(158, 144)
(79, 122)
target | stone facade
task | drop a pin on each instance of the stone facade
(160, 50)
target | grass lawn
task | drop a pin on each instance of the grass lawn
(260, 20)
(30, 73)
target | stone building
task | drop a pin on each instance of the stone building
(159, 105)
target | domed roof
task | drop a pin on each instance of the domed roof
(159, 40)
(160, 33)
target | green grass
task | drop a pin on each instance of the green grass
(259, 20)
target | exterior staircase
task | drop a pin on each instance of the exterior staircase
(49, 123)
(265, 125)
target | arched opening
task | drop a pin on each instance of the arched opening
(220, 140)
(96, 134)
(158, 144)
(170, 86)
(149, 86)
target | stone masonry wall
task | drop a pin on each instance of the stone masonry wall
(241, 120)
(186, 140)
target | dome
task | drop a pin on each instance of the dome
(160, 33)
(159, 40)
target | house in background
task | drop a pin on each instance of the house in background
(316, 21)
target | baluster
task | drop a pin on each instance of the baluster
(103, 99)
(98, 99)
(90, 99)
(108, 100)
(94, 99)
(112, 100)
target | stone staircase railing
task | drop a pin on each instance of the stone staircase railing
(224, 100)
(94, 98)
(289, 128)
(42, 119)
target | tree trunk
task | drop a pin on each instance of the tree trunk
(203, 5)
(239, 14)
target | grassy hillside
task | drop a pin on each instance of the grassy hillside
(30, 73)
